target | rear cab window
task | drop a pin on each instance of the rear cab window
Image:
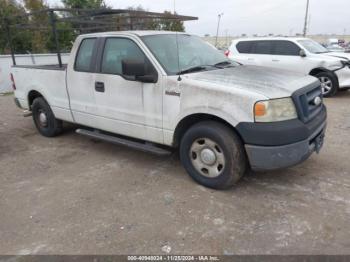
(84, 57)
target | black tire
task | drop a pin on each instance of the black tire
(229, 143)
(53, 126)
(333, 80)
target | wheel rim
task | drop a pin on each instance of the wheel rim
(207, 157)
(42, 117)
(326, 84)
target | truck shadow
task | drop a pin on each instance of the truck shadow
(171, 165)
(283, 178)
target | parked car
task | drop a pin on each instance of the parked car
(176, 91)
(296, 54)
(347, 47)
(332, 41)
(335, 48)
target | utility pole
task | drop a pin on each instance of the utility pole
(306, 17)
(217, 29)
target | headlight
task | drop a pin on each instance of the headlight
(275, 110)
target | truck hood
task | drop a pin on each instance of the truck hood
(345, 56)
(269, 82)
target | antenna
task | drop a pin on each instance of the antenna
(177, 47)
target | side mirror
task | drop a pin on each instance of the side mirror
(134, 69)
(302, 53)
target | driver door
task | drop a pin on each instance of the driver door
(127, 107)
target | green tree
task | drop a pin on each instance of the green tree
(170, 24)
(82, 4)
(159, 24)
(41, 37)
(21, 42)
(85, 4)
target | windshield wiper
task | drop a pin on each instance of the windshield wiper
(223, 63)
(323, 52)
(205, 67)
(193, 69)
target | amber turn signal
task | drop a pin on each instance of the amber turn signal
(260, 109)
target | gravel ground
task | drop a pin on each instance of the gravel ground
(74, 195)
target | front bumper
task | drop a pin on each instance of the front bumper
(278, 145)
(275, 157)
(343, 77)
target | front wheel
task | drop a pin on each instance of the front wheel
(213, 155)
(329, 83)
(44, 119)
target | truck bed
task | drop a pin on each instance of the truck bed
(44, 67)
(48, 80)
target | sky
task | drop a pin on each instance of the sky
(250, 17)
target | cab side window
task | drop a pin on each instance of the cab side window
(286, 48)
(84, 56)
(117, 49)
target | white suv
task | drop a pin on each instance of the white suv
(301, 55)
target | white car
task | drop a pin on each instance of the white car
(336, 48)
(132, 87)
(301, 55)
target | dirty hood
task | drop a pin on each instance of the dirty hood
(345, 56)
(269, 82)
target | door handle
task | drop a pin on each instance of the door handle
(275, 60)
(99, 87)
(250, 59)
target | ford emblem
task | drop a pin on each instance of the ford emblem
(317, 101)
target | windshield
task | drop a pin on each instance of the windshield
(313, 47)
(193, 53)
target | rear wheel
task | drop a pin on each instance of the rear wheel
(44, 119)
(329, 83)
(213, 155)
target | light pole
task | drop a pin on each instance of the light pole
(306, 17)
(217, 29)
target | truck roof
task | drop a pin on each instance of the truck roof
(138, 33)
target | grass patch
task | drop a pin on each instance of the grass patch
(6, 94)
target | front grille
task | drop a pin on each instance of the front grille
(304, 102)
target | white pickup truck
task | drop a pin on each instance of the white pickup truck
(160, 90)
(301, 55)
